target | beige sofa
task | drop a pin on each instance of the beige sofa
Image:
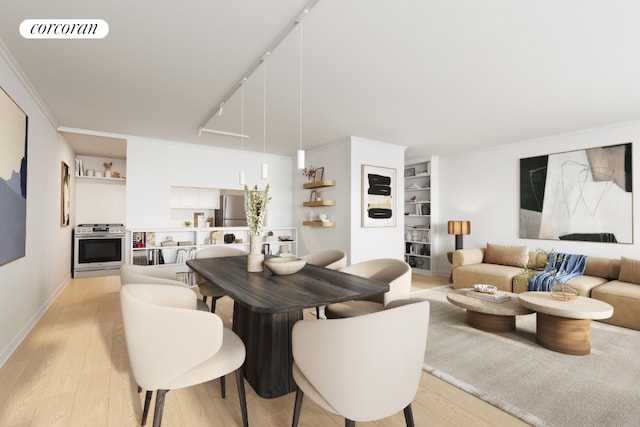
(615, 281)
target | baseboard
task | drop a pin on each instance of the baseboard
(17, 340)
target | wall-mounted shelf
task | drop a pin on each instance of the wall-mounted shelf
(319, 203)
(101, 178)
(319, 223)
(318, 184)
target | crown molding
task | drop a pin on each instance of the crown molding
(33, 93)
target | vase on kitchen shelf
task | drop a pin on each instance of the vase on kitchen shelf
(255, 206)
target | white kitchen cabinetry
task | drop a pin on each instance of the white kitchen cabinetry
(172, 247)
(417, 216)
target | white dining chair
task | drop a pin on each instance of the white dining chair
(333, 259)
(362, 368)
(206, 288)
(163, 333)
(395, 272)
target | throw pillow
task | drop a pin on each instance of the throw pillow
(516, 256)
(629, 270)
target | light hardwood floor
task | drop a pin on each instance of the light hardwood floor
(72, 370)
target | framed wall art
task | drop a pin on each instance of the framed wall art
(378, 195)
(582, 195)
(65, 195)
(14, 124)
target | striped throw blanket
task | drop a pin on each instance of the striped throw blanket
(565, 267)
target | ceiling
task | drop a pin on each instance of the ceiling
(436, 76)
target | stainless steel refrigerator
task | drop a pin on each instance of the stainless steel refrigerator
(231, 212)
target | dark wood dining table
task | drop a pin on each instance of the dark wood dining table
(266, 306)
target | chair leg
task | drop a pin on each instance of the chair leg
(204, 298)
(242, 396)
(408, 415)
(317, 311)
(223, 387)
(139, 389)
(213, 304)
(147, 403)
(349, 423)
(297, 406)
(157, 413)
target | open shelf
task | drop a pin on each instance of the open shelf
(319, 203)
(319, 223)
(319, 184)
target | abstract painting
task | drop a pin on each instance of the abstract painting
(13, 179)
(582, 195)
(378, 195)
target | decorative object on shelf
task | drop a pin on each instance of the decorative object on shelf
(65, 195)
(378, 195)
(255, 206)
(314, 196)
(285, 265)
(409, 172)
(309, 173)
(107, 169)
(318, 174)
(459, 228)
(187, 223)
(229, 238)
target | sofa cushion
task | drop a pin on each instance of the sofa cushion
(492, 274)
(584, 284)
(625, 299)
(599, 267)
(629, 270)
(515, 256)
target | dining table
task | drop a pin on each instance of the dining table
(266, 306)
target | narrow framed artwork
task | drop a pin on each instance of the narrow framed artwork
(378, 195)
(65, 195)
(581, 195)
(318, 174)
(14, 125)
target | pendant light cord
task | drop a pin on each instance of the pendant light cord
(300, 91)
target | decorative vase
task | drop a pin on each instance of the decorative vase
(255, 258)
(563, 292)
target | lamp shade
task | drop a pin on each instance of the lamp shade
(459, 227)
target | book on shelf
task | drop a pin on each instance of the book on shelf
(497, 297)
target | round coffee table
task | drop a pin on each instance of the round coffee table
(565, 326)
(488, 315)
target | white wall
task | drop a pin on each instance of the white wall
(483, 187)
(342, 161)
(29, 284)
(335, 158)
(153, 166)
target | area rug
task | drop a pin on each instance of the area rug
(539, 386)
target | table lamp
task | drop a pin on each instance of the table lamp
(459, 228)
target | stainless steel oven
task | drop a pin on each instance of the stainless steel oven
(98, 249)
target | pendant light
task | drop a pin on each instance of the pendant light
(300, 153)
(265, 166)
(241, 175)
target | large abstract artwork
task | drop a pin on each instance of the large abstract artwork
(13, 179)
(378, 195)
(581, 195)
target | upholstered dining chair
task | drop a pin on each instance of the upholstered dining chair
(363, 368)
(395, 272)
(163, 332)
(333, 259)
(206, 288)
(130, 273)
